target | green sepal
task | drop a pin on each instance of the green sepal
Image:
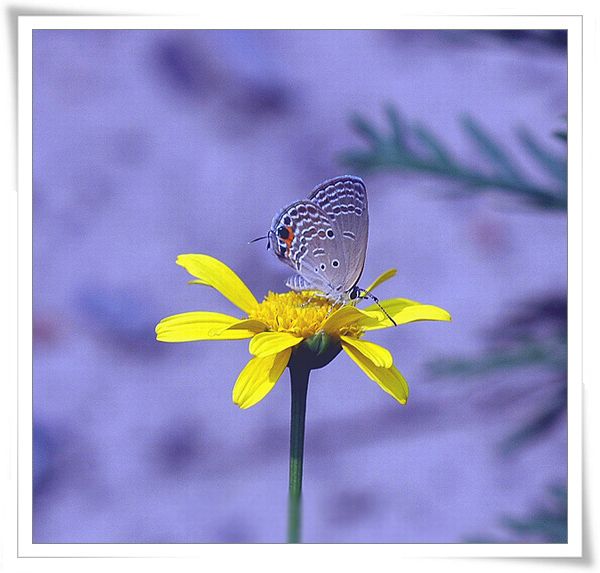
(316, 351)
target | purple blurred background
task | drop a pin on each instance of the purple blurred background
(148, 144)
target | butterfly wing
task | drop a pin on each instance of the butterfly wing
(344, 200)
(303, 236)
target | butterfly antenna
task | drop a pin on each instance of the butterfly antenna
(258, 239)
(367, 294)
(267, 236)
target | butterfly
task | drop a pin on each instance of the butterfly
(324, 238)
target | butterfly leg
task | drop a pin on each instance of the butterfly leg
(312, 298)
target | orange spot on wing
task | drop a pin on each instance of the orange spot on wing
(290, 238)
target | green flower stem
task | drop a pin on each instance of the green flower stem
(299, 378)
(314, 352)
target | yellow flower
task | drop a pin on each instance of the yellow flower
(282, 321)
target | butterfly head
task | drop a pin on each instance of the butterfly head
(280, 236)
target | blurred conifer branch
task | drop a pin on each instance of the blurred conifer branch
(544, 525)
(549, 524)
(416, 148)
(534, 336)
(554, 409)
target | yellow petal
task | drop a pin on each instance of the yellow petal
(379, 355)
(346, 316)
(248, 324)
(258, 377)
(402, 311)
(267, 343)
(388, 378)
(382, 278)
(218, 275)
(199, 326)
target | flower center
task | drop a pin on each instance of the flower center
(301, 313)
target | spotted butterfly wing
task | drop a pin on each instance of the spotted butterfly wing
(344, 200)
(303, 236)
